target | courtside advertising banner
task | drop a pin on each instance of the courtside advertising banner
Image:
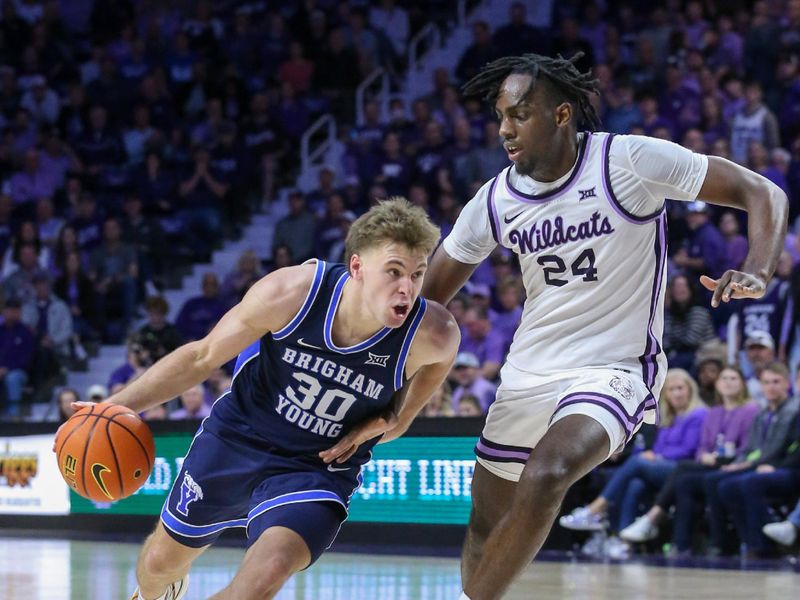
(30, 483)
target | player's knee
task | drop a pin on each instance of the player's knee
(158, 561)
(265, 581)
(553, 476)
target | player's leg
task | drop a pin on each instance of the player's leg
(491, 499)
(287, 539)
(162, 562)
(573, 446)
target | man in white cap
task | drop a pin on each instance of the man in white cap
(466, 373)
(760, 349)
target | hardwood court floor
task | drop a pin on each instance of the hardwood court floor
(42, 569)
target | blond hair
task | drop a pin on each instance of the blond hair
(393, 220)
(743, 397)
(665, 408)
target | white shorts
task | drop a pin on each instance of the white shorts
(527, 405)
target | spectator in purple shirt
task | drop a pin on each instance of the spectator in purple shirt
(480, 340)
(735, 242)
(199, 314)
(193, 405)
(467, 378)
(505, 321)
(682, 414)
(705, 254)
(16, 355)
(725, 431)
(33, 182)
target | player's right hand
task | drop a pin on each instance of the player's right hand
(75, 406)
(349, 443)
(733, 285)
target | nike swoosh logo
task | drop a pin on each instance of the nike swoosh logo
(333, 469)
(300, 342)
(97, 473)
(507, 220)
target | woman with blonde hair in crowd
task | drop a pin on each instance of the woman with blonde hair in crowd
(441, 403)
(725, 430)
(682, 413)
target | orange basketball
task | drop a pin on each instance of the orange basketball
(105, 452)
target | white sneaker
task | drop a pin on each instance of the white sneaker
(785, 533)
(582, 519)
(616, 549)
(175, 591)
(641, 530)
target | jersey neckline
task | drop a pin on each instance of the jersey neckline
(576, 170)
(330, 314)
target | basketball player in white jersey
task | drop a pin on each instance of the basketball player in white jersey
(585, 214)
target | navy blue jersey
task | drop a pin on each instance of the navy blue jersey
(300, 392)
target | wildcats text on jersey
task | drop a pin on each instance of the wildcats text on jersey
(550, 234)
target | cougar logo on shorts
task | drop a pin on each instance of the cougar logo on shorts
(622, 386)
(190, 492)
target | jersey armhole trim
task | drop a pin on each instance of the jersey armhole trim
(311, 296)
(494, 220)
(400, 367)
(615, 203)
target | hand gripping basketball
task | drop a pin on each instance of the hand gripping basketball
(105, 452)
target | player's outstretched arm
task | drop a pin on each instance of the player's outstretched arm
(268, 306)
(429, 361)
(445, 276)
(767, 206)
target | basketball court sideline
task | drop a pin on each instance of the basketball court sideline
(54, 569)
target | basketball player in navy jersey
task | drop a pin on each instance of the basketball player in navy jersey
(331, 357)
(584, 212)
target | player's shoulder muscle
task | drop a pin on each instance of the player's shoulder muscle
(438, 337)
(277, 297)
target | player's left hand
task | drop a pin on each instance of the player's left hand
(733, 285)
(347, 445)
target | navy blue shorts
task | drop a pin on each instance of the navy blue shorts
(230, 479)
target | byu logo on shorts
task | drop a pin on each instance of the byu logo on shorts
(190, 492)
(622, 386)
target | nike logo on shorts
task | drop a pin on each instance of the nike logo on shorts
(333, 469)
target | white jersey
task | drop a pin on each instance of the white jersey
(592, 247)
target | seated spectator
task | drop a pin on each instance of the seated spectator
(768, 441)
(759, 350)
(281, 257)
(726, 428)
(193, 405)
(30, 184)
(487, 345)
(64, 398)
(704, 252)
(156, 413)
(17, 347)
(20, 282)
(49, 318)
(88, 224)
(113, 270)
(296, 230)
(510, 295)
(469, 406)
(708, 364)
(145, 235)
(48, 224)
(687, 324)
(137, 361)
(27, 233)
(96, 392)
(202, 191)
(75, 288)
(682, 414)
(468, 381)
(735, 242)
(237, 282)
(440, 403)
(747, 497)
(200, 313)
(158, 335)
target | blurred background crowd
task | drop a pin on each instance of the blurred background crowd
(136, 138)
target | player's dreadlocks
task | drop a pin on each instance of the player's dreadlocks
(574, 86)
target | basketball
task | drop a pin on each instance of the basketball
(105, 452)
